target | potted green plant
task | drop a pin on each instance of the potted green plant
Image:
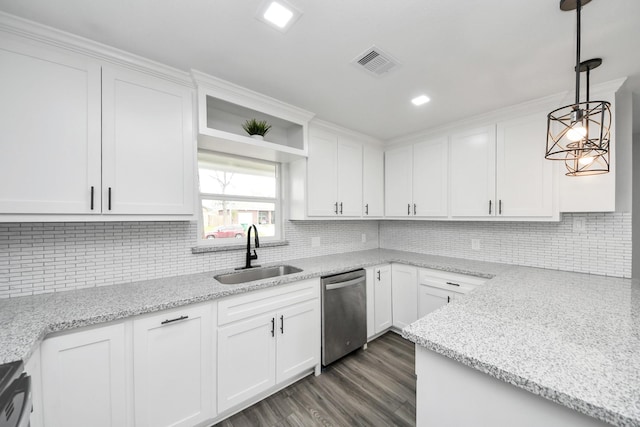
(256, 128)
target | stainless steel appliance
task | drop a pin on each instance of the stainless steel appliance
(15, 396)
(344, 314)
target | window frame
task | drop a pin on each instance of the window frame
(277, 202)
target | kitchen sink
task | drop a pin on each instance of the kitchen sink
(252, 274)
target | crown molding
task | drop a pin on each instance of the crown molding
(329, 126)
(605, 90)
(248, 98)
(51, 36)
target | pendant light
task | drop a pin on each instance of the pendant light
(579, 133)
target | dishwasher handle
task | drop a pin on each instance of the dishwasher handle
(343, 284)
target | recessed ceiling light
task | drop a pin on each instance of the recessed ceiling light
(419, 100)
(279, 14)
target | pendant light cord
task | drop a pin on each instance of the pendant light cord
(578, 10)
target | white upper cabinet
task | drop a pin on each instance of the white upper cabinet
(49, 130)
(430, 196)
(524, 177)
(372, 182)
(322, 175)
(398, 181)
(147, 144)
(501, 172)
(334, 172)
(416, 180)
(349, 194)
(341, 178)
(473, 173)
(84, 140)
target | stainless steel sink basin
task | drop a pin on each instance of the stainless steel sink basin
(252, 274)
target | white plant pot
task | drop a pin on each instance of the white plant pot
(260, 137)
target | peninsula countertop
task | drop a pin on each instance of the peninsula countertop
(569, 337)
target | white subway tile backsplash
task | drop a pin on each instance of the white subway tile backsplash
(604, 248)
(50, 257)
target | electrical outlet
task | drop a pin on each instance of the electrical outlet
(364, 238)
(315, 242)
(475, 244)
(579, 225)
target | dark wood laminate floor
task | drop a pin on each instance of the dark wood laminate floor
(373, 387)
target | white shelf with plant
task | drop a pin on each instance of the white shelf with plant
(229, 114)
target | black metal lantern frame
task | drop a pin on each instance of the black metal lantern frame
(579, 134)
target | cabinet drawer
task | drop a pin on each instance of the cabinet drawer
(454, 282)
(243, 306)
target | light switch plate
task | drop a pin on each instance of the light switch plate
(364, 238)
(475, 244)
(315, 242)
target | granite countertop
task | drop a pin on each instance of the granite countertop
(25, 321)
(571, 338)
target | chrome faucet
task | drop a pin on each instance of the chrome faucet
(256, 244)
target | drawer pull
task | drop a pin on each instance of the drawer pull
(282, 324)
(174, 320)
(452, 284)
(273, 326)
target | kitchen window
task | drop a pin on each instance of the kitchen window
(236, 192)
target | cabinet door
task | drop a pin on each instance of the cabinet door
(84, 378)
(472, 165)
(372, 182)
(148, 144)
(382, 294)
(398, 180)
(322, 175)
(50, 130)
(173, 365)
(404, 287)
(349, 178)
(298, 343)
(524, 186)
(246, 359)
(370, 276)
(430, 299)
(430, 192)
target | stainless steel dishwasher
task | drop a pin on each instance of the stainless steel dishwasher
(344, 314)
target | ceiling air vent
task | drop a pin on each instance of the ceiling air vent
(375, 61)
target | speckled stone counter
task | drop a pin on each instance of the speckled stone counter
(571, 338)
(25, 321)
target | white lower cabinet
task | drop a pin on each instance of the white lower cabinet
(266, 338)
(379, 314)
(438, 288)
(404, 291)
(84, 378)
(430, 299)
(173, 367)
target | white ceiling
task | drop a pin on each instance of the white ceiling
(469, 56)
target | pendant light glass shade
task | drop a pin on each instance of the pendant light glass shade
(579, 134)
